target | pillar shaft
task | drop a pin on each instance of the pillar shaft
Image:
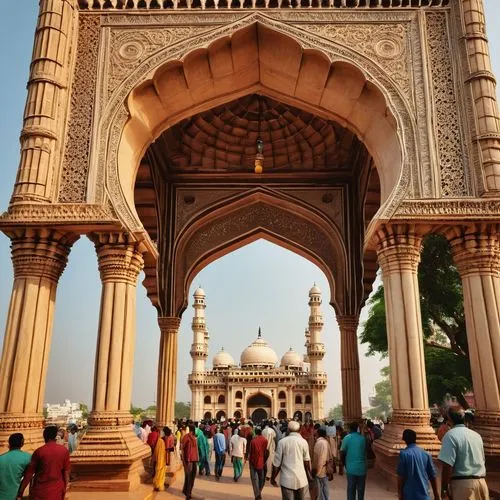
(483, 89)
(398, 252)
(46, 105)
(39, 258)
(349, 366)
(476, 251)
(167, 370)
(110, 455)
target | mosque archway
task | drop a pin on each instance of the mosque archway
(259, 415)
(259, 400)
(282, 415)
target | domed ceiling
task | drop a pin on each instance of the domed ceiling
(225, 137)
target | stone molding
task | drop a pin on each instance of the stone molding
(450, 209)
(120, 258)
(348, 323)
(476, 249)
(40, 253)
(110, 419)
(17, 423)
(398, 248)
(169, 324)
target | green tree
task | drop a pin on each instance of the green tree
(182, 410)
(136, 412)
(336, 413)
(443, 322)
(85, 410)
(382, 402)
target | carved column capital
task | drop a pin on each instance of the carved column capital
(40, 252)
(475, 248)
(169, 324)
(398, 248)
(120, 257)
(348, 323)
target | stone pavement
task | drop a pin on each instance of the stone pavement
(206, 488)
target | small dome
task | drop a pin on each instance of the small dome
(199, 292)
(291, 358)
(259, 355)
(314, 290)
(223, 360)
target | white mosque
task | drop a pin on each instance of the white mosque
(258, 387)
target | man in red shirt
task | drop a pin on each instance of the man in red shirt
(50, 466)
(189, 452)
(257, 458)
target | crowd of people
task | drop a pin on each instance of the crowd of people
(300, 458)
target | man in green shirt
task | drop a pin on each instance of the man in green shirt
(353, 456)
(12, 467)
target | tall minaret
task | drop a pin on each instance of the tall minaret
(199, 354)
(316, 353)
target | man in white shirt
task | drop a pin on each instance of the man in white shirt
(293, 462)
(238, 448)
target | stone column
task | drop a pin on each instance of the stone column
(110, 454)
(167, 370)
(45, 113)
(398, 252)
(476, 251)
(480, 79)
(349, 366)
(39, 257)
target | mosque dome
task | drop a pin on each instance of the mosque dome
(258, 355)
(223, 360)
(291, 358)
(199, 292)
(314, 290)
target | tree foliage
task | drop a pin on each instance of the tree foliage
(443, 322)
(85, 410)
(336, 413)
(382, 401)
(182, 410)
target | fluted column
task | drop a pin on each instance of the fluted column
(39, 257)
(167, 370)
(476, 252)
(46, 105)
(110, 439)
(398, 252)
(482, 84)
(349, 366)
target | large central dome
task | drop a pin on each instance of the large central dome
(258, 355)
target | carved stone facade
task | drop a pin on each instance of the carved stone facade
(375, 122)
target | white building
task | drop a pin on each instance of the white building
(68, 411)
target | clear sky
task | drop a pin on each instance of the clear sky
(259, 285)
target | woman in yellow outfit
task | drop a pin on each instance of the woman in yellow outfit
(160, 465)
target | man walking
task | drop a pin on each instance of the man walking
(238, 448)
(50, 466)
(321, 456)
(220, 452)
(13, 464)
(270, 434)
(189, 455)
(353, 456)
(462, 456)
(257, 457)
(293, 462)
(415, 470)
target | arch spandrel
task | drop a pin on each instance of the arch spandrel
(390, 137)
(257, 216)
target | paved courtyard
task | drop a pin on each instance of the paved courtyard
(206, 488)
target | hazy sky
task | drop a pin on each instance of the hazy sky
(259, 285)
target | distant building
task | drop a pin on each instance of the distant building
(258, 388)
(67, 412)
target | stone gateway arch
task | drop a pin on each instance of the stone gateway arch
(171, 132)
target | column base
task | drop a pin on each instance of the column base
(110, 456)
(488, 425)
(30, 425)
(387, 448)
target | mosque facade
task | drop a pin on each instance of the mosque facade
(259, 386)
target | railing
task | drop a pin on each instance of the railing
(254, 4)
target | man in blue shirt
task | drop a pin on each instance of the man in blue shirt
(415, 470)
(13, 464)
(220, 453)
(353, 455)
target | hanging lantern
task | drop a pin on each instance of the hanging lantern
(259, 157)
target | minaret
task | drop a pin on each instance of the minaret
(199, 354)
(316, 353)
(306, 345)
